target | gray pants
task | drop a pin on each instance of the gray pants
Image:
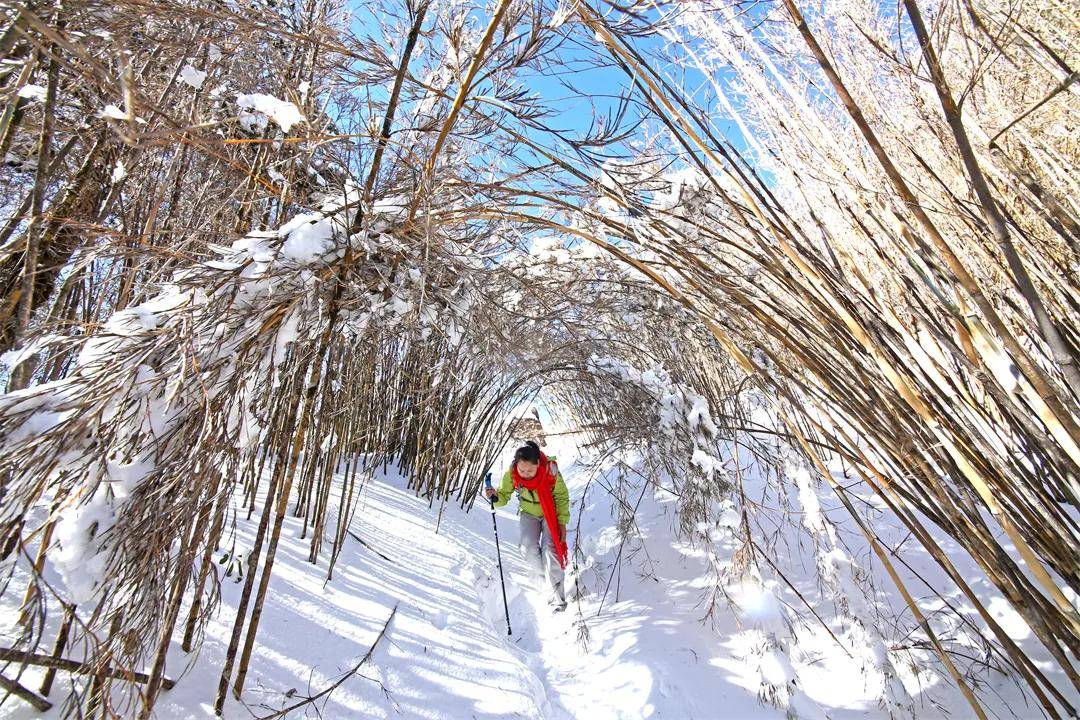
(534, 531)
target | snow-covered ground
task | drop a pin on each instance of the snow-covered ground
(446, 653)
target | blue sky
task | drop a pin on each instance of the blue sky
(596, 82)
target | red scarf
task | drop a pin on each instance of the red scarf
(542, 485)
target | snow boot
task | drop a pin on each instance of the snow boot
(558, 598)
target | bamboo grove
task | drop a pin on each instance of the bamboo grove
(251, 251)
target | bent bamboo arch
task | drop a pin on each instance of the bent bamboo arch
(879, 321)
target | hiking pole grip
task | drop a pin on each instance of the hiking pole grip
(498, 554)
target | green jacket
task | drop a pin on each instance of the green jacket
(529, 502)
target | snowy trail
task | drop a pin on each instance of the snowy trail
(441, 658)
(446, 655)
(646, 656)
(527, 642)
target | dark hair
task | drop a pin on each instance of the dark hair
(529, 452)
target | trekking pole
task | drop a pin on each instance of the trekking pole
(498, 554)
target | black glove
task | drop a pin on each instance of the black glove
(492, 494)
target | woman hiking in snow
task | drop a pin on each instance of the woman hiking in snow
(543, 512)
